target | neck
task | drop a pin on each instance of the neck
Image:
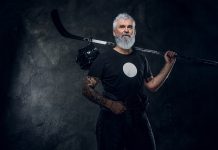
(122, 51)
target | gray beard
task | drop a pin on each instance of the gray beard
(125, 42)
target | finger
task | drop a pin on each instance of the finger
(171, 54)
(122, 109)
(120, 102)
(168, 53)
(174, 55)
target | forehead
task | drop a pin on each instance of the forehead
(124, 22)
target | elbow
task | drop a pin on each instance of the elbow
(152, 86)
(153, 90)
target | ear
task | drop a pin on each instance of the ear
(114, 34)
(135, 32)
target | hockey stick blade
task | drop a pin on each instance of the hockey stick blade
(57, 22)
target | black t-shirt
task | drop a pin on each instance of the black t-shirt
(122, 76)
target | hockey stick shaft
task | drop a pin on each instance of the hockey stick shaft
(57, 22)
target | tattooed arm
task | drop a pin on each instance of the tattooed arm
(88, 91)
(94, 96)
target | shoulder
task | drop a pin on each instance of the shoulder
(103, 56)
(141, 55)
(105, 53)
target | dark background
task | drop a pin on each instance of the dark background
(41, 106)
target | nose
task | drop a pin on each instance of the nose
(126, 30)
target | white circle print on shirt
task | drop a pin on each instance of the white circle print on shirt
(129, 69)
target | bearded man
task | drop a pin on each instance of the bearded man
(124, 73)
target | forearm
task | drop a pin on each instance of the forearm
(93, 95)
(156, 82)
(96, 97)
(163, 75)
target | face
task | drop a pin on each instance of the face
(124, 28)
(124, 33)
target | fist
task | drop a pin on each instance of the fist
(117, 107)
(170, 57)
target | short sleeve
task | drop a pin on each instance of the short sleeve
(96, 69)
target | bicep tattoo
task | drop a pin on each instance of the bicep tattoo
(89, 91)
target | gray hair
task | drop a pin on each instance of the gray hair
(123, 16)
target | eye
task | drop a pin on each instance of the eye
(130, 26)
(122, 26)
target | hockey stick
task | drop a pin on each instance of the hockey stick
(57, 22)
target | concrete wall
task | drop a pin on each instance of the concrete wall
(41, 103)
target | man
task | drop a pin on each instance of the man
(124, 72)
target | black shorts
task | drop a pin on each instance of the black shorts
(130, 130)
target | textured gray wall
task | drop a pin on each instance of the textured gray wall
(41, 103)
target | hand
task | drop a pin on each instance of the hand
(117, 107)
(170, 57)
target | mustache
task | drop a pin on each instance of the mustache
(126, 35)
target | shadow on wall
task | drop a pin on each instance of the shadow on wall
(11, 34)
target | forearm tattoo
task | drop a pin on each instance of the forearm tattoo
(89, 91)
